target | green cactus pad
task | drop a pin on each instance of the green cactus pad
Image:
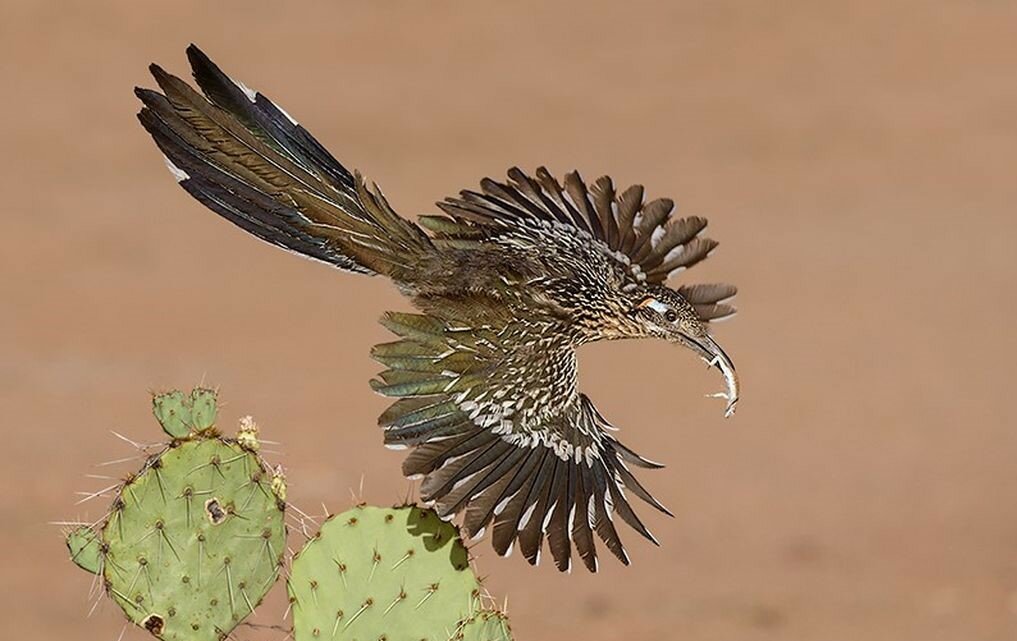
(173, 411)
(194, 541)
(85, 548)
(182, 416)
(399, 574)
(486, 625)
(203, 408)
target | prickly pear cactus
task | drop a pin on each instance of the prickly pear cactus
(484, 625)
(399, 574)
(181, 415)
(193, 541)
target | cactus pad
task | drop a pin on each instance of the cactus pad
(398, 574)
(84, 546)
(181, 415)
(485, 625)
(203, 409)
(194, 541)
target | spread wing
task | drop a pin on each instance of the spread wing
(640, 234)
(486, 443)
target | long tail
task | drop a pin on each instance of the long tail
(250, 162)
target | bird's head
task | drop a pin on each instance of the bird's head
(658, 311)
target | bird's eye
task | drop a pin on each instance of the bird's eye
(671, 315)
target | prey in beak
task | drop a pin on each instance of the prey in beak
(715, 356)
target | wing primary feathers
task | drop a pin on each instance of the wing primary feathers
(444, 480)
(707, 293)
(717, 312)
(582, 534)
(533, 192)
(602, 522)
(631, 483)
(576, 189)
(509, 193)
(430, 456)
(529, 524)
(500, 469)
(676, 232)
(630, 456)
(480, 513)
(603, 202)
(655, 213)
(552, 187)
(684, 256)
(506, 522)
(629, 204)
(556, 525)
(622, 508)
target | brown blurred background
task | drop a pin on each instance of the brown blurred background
(857, 162)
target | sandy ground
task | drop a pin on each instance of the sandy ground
(857, 162)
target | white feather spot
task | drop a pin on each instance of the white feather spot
(526, 516)
(675, 252)
(547, 517)
(656, 305)
(288, 117)
(655, 237)
(498, 509)
(178, 174)
(251, 94)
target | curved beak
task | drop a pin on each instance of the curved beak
(711, 352)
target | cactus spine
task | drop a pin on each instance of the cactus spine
(484, 625)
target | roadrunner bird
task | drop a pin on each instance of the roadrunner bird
(509, 282)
